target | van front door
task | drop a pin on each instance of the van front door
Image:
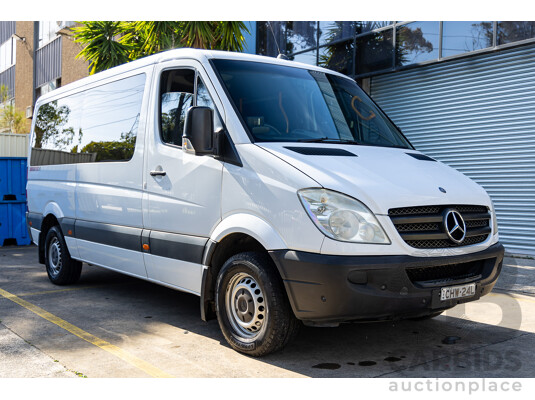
(182, 201)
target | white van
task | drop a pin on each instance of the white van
(276, 191)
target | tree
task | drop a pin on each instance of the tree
(113, 150)
(102, 48)
(373, 51)
(111, 43)
(508, 31)
(411, 42)
(337, 56)
(11, 119)
(300, 35)
(149, 37)
(49, 123)
(4, 93)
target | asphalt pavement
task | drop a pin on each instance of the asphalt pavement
(112, 325)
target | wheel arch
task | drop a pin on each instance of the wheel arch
(49, 221)
(250, 225)
(52, 215)
(235, 234)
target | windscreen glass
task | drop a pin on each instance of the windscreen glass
(286, 104)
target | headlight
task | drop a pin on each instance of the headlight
(341, 217)
(494, 220)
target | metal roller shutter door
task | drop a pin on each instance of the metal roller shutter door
(477, 115)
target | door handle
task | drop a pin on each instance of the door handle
(158, 173)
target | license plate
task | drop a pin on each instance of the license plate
(457, 292)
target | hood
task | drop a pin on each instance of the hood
(380, 177)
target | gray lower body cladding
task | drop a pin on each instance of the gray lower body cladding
(329, 288)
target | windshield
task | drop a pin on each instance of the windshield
(285, 104)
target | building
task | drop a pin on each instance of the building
(36, 57)
(462, 92)
(39, 56)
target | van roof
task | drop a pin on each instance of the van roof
(200, 55)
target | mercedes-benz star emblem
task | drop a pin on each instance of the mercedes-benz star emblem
(454, 225)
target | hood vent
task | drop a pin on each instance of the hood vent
(421, 157)
(321, 151)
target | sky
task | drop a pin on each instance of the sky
(250, 10)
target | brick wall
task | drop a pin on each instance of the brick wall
(72, 68)
(24, 66)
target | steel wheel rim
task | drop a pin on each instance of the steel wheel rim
(246, 306)
(54, 256)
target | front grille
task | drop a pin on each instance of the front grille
(445, 273)
(445, 243)
(417, 227)
(422, 227)
(414, 210)
(476, 223)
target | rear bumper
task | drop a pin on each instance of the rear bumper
(331, 289)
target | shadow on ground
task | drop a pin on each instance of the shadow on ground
(122, 310)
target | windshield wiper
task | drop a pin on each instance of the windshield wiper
(328, 140)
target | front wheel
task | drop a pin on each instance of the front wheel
(252, 307)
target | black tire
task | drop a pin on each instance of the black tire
(60, 267)
(429, 316)
(249, 282)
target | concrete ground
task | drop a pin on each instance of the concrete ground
(111, 325)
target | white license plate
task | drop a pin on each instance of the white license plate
(457, 292)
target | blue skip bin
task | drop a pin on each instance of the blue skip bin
(13, 223)
(13, 178)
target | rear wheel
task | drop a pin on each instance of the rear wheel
(253, 310)
(60, 267)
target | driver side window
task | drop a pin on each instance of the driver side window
(176, 97)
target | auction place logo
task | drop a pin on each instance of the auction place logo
(469, 386)
(479, 360)
(461, 329)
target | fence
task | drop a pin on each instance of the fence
(14, 144)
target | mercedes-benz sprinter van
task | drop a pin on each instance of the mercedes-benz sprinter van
(277, 192)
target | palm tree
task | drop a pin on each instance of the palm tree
(111, 43)
(150, 37)
(215, 35)
(102, 47)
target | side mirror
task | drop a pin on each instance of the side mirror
(198, 135)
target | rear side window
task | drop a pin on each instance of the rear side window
(97, 125)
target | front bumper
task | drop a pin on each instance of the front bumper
(332, 289)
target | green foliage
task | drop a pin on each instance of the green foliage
(113, 150)
(111, 43)
(11, 119)
(4, 93)
(102, 48)
(150, 37)
(50, 120)
(229, 35)
(198, 34)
